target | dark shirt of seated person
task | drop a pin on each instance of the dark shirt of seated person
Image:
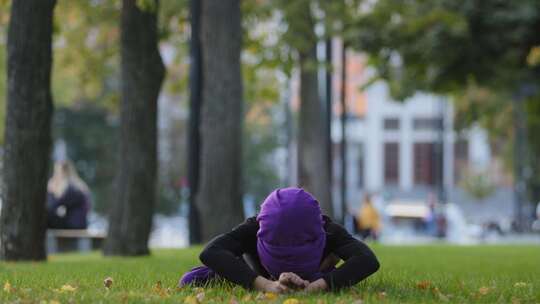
(290, 245)
(68, 199)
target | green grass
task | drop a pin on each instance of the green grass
(408, 274)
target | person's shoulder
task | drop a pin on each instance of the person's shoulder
(332, 227)
(248, 223)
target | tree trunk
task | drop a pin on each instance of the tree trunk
(343, 184)
(195, 87)
(220, 195)
(142, 75)
(313, 165)
(28, 123)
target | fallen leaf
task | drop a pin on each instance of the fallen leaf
(200, 297)
(270, 296)
(7, 287)
(67, 288)
(291, 301)
(191, 300)
(108, 282)
(520, 284)
(423, 284)
(483, 290)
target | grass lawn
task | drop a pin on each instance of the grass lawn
(408, 274)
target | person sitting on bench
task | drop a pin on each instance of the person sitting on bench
(68, 198)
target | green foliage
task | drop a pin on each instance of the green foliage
(408, 274)
(439, 46)
(86, 53)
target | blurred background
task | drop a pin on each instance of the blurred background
(426, 109)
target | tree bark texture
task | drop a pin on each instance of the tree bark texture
(313, 165)
(195, 103)
(220, 195)
(142, 75)
(28, 125)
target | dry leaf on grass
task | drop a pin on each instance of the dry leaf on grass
(200, 297)
(270, 296)
(191, 300)
(423, 284)
(66, 288)
(7, 287)
(162, 292)
(108, 282)
(291, 301)
(484, 290)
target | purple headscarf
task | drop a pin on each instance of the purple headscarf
(291, 237)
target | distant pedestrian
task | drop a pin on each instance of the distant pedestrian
(368, 219)
(68, 198)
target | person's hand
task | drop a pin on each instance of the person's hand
(292, 280)
(265, 285)
(316, 286)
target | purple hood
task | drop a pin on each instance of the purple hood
(291, 237)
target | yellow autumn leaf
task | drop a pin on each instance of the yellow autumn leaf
(7, 287)
(270, 296)
(67, 288)
(191, 300)
(291, 301)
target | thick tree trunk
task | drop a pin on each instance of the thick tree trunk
(220, 195)
(28, 123)
(313, 165)
(142, 75)
(195, 102)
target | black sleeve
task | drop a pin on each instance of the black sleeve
(223, 254)
(360, 261)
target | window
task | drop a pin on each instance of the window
(391, 124)
(391, 163)
(427, 163)
(428, 123)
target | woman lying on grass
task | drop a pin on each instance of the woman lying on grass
(290, 245)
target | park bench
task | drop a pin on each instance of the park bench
(65, 240)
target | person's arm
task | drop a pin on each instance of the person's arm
(360, 261)
(223, 255)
